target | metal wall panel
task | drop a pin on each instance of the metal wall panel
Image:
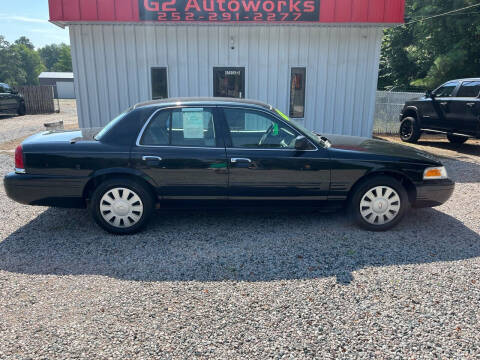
(112, 67)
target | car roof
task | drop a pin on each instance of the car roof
(203, 101)
(466, 79)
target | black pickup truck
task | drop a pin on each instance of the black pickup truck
(11, 102)
(452, 109)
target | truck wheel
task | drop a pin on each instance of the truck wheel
(379, 203)
(409, 130)
(121, 206)
(457, 139)
(21, 109)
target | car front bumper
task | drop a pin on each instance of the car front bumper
(44, 190)
(433, 193)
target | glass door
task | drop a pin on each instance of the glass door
(229, 82)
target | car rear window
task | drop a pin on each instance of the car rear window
(111, 124)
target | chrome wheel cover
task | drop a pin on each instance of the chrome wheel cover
(380, 205)
(121, 207)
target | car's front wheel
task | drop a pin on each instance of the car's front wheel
(379, 203)
(456, 139)
(121, 206)
(409, 130)
(21, 110)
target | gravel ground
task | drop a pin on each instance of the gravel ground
(14, 127)
(243, 285)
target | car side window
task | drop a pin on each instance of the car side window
(469, 89)
(181, 127)
(446, 90)
(255, 130)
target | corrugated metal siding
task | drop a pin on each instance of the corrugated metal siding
(112, 67)
(336, 11)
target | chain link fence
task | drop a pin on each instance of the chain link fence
(388, 106)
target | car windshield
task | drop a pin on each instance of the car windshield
(317, 138)
(111, 124)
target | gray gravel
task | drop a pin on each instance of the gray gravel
(243, 285)
(14, 127)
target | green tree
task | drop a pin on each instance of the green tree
(426, 53)
(56, 57)
(24, 41)
(64, 61)
(30, 62)
(11, 71)
(50, 55)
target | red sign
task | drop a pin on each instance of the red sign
(229, 10)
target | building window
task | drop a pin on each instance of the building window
(159, 83)
(229, 82)
(297, 93)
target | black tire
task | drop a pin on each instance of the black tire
(409, 130)
(457, 139)
(383, 182)
(146, 200)
(21, 109)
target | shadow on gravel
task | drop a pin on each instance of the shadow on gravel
(214, 246)
(466, 148)
(3, 117)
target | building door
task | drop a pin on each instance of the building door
(65, 90)
(229, 82)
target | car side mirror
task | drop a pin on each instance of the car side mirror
(14, 91)
(301, 143)
(429, 94)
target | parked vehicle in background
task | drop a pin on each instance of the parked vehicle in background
(217, 152)
(11, 102)
(452, 109)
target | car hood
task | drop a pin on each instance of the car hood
(367, 146)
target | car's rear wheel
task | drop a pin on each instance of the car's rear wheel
(379, 203)
(21, 109)
(121, 206)
(456, 139)
(409, 130)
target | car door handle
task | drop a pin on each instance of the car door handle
(444, 103)
(151, 158)
(240, 160)
(470, 104)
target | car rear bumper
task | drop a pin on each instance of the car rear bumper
(44, 190)
(433, 193)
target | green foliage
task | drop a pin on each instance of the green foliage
(24, 41)
(30, 62)
(427, 53)
(64, 62)
(20, 63)
(10, 72)
(56, 57)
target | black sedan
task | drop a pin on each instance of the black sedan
(220, 152)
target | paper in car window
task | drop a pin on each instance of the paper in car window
(193, 123)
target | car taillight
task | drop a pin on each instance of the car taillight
(19, 167)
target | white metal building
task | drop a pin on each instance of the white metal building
(322, 73)
(62, 83)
